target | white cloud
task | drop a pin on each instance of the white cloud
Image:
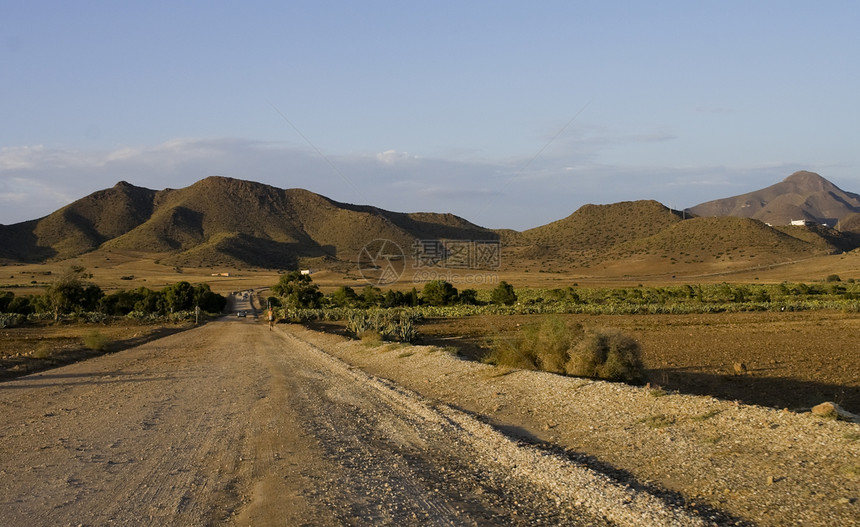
(389, 157)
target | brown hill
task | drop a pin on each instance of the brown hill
(78, 227)
(598, 227)
(801, 196)
(587, 234)
(222, 220)
(723, 242)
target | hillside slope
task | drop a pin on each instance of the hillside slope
(221, 220)
(801, 196)
(79, 227)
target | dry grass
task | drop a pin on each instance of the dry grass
(657, 421)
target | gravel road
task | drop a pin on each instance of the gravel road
(231, 423)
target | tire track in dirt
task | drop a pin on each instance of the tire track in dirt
(233, 424)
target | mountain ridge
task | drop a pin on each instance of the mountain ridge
(226, 221)
(803, 195)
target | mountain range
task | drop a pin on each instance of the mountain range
(224, 221)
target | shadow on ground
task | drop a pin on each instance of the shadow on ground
(754, 388)
(18, 366)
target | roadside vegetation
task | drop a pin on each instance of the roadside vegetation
(554, 346)
(393, 315)
(72, 297)
(301, 300)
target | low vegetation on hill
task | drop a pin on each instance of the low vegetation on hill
(725, 240)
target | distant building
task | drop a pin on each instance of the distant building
(306, 271)
(803, 223)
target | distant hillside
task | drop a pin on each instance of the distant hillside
(801, 196)
(222, 220)
(79, 227)
(231, 222)
(586, 235)
(726, 241)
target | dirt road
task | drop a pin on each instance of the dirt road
(231, 423)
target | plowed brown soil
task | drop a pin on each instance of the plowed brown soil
(793, 360)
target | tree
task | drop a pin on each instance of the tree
(503, 294)
(297, 290)
(5, 298)
(208, 300)
(439, 293)
(179, 296)
(69, 293)
(468, 296)
(20, 305)
(344, 297)
(371, 296)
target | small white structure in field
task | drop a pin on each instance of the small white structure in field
(306, 271)
(803, 223)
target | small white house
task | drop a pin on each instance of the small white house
(306, 271)
(803, 223)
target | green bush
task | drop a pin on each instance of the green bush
(609, 355)
(439, 293)
(96, 341)
(503, 294)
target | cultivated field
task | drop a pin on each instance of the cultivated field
(792, 360)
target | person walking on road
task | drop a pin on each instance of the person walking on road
(271, 319)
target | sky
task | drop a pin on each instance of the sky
(509, 114)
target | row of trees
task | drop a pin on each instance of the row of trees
(71, 293)
(297, 290)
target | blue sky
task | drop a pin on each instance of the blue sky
(510, 114)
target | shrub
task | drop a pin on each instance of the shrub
(370, 338)
(543, 346)
(96, 341)
(510, 353)
(609, 355)
(550, 343)
(10, 320)
(833, 278)
(503, 294)
(439, 293)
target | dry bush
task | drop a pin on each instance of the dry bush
(509, 352)
(94, 340)
(44, 350)
(550, 343)
(371, 338)
(607, 354)
(543, 346)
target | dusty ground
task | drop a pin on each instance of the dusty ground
(231, 423)
(33, 348)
